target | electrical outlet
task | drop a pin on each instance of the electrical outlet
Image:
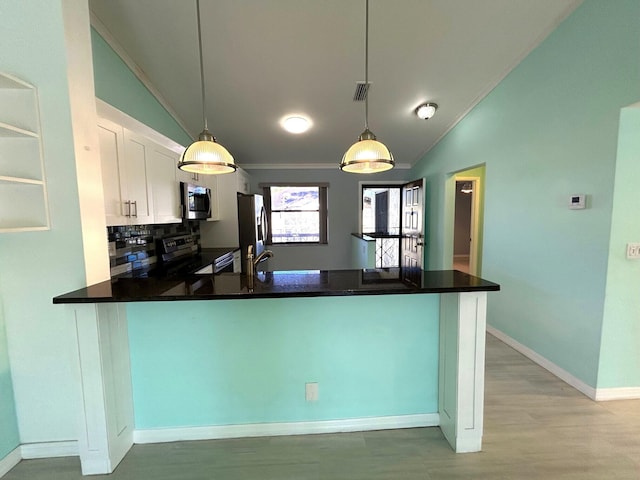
(311, 392)
(633, 250)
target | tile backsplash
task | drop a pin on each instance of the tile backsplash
(133, 247)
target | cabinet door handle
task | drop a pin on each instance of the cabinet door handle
(135, 204)
(128, 204)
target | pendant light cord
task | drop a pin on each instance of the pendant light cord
(366, 66)
(204, 100)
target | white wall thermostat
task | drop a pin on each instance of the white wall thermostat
(577, 202)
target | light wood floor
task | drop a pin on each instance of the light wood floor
(536, 427)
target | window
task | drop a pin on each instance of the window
(297, 213)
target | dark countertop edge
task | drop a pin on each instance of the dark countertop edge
(364, 236)
(246, 296)
(371, 237)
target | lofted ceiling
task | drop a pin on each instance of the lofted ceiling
(267, 58)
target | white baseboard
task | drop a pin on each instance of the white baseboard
(10, 461)
(49, 450)
(563, 375)
(606, 394)
(161, 435)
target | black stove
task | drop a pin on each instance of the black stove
(177, 254)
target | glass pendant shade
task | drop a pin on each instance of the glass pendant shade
(367, 155)
(207, 157)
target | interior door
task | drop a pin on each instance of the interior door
(412, 241)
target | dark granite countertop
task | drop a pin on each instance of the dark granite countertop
(295, 283)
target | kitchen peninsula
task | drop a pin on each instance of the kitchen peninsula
(385, 353)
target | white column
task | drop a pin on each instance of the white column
(106, 423)
(461, 379)
(84, 121)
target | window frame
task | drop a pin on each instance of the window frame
(323, 210)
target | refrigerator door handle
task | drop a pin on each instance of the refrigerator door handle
(264, 224)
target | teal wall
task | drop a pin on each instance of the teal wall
(547, 131)
(232, 362)
(10, 437)
(119, 87)
(37, 266)
(620, 354)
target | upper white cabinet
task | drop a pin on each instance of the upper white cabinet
(23, 194)
(224, 232)
(139, 171)
(164, 181)
(127, 189)
(111, 138)
(243, 181)
(137, 152)
(188, 177)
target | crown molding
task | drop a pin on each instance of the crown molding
(305, 166)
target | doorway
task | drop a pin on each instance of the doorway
(462, 229)
(392, 215)
(467, 196)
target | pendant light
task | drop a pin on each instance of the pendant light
(205, 155)
(367, 155)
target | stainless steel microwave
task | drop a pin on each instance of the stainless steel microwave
(196, 201)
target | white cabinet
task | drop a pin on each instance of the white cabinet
(188, 177)
(243, 182)
(224, 232)
(164, 184)
(136, 155)
(140, 171)
(23, 193)
(127, 189)
(237, 262)
(111, 139)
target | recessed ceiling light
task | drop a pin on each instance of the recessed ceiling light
(426, 110)
(295, 124)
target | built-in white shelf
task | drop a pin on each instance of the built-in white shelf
(7, 130)
(23, 192)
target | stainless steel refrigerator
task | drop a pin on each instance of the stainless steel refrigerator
(253, 226)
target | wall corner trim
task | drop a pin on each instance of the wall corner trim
(30, 451)
(10, 461)
(215, 432)
(622, 393)
(562, 374)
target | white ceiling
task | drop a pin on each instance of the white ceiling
(267, 58)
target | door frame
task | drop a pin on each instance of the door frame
(475, 253)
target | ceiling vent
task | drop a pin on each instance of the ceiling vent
(362, 89)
